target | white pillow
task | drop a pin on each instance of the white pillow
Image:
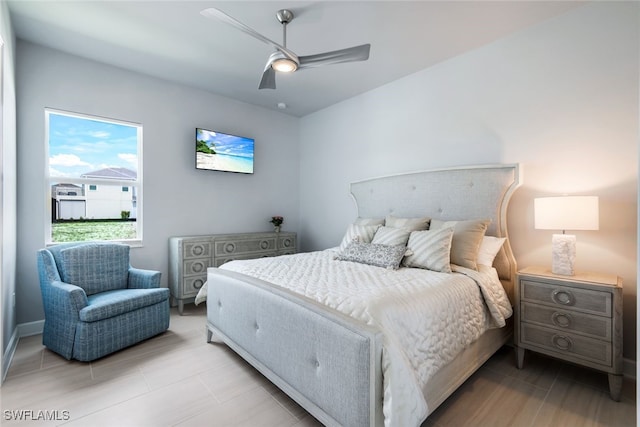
(411, 224)
(358, 233)
(489, 248)
(430, 249)
(391, 236)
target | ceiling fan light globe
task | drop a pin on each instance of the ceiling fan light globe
(284, 65)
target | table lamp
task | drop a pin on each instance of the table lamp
(565, 213)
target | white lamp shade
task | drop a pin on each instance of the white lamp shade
(566, 213)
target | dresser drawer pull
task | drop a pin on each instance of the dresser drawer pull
(198, 267)
(197, 250)
(562, 297)
(561, 319)
(229, 248)
(198, 283)
(562, 342)
(264, 245)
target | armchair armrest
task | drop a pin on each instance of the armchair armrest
(143, 279)
(66, 298)
(60, 299)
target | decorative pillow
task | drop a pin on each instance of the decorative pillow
(465, 244)
(373, 254)
(359, 233)
(411, 224)
(369, 221)
(489, 248)
(430, 249)
(391, 236)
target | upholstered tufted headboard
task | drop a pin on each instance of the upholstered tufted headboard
(474, 192)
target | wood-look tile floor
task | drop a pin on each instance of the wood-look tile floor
(177, 379)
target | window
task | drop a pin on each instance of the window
(94, 185)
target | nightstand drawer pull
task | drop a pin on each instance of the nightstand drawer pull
(563, 297)
(562, 320)
(562, 342)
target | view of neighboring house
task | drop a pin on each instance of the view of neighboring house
(95, 201)
(68, 201)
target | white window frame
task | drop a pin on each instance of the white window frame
(92, 181)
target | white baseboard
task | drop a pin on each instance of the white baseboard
(30, 328)
(7, 357)
(22, 330)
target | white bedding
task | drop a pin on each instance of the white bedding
(426, 317)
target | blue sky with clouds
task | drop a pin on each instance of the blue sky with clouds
(223, 143)
(79, 145)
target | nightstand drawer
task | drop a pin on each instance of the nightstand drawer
(232, 247)
(191, 285)
(565, 345)
(568, 297)
(566, 320)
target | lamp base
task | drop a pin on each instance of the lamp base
(563, 254)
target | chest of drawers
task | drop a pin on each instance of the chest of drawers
(574, 318)
(190, 256)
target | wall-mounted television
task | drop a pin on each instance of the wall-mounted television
(219, 151)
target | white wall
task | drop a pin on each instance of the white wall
(8, 186)
(560, 98)
(178, 199)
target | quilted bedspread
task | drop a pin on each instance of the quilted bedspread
(426, 317)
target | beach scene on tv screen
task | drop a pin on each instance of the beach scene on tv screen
(223, 152)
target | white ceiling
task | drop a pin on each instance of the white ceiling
(171, 40)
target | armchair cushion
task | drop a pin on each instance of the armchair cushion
(95, 267)
(108, 304)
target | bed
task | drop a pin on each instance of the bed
(352, 363)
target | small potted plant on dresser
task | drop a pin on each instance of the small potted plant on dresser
(277, 222)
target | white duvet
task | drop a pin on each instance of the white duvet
(426, 317)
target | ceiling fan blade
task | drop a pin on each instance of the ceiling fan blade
(212, 12)
(351, 54)
(268, 80)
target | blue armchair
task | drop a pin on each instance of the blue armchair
(95, 303)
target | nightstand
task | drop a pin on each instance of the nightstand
(574, 318)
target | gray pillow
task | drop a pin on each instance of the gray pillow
(373, 254)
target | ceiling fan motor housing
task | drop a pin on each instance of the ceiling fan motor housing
(284, 16)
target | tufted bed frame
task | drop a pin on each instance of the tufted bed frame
(330, 363)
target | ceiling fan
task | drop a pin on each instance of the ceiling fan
(283, 59)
